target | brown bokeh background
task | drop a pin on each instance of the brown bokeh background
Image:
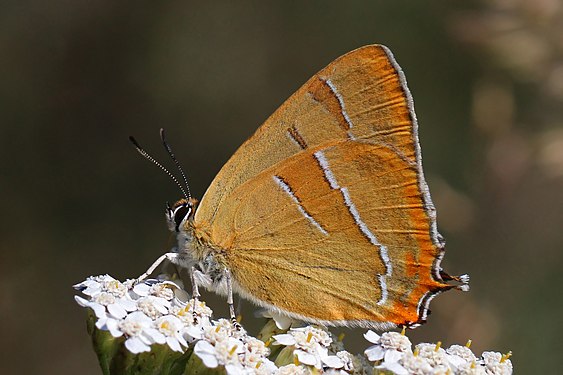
(78, 77)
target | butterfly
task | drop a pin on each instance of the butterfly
(323, 214)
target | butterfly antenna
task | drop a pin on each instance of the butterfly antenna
(169, 150)
(151, 159)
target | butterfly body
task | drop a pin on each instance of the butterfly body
(324, 213)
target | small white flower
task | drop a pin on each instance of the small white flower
(433, 354)
(162, 289)
(171, 327)
(190, 310)
(222, 353)
(109, 298)
(137, 327)
(459, 355)
(496, 363)
(311, 344)
(152, 306)
(107, 306)
(255, 347)
(388, 346)
(220, 331)
(115, 287)
(304, 338)
(93, 284)
(195, 318)
(255, 357)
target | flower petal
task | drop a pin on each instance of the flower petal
(372, 337)
(206, 352)
(284, 339)
(155, 335)
(99, 310)
(306, 358)
(395, 368)
(128, 304)
(375, 353)
(182, 340)
(112, 326)
(117, 311)
(174, 344)
(455, 360)
(282, 321)
(234, 369)
(142, 290)
(135, 345)
(194, 332)
(82, 301)
(101, 323)
(333, 361)
(392, 356)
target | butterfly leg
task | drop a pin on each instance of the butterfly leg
(195, 292)
(195, 289)
(230, 299)
(170, 256)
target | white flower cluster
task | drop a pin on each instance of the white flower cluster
(314, 347)
(223, 344)
(159, 311)
(156, 311)
(393, 352)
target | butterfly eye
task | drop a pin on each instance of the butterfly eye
(180, 214)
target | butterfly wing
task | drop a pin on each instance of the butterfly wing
(324, 212)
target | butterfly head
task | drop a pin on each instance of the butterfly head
(183, 210)
(179, 213)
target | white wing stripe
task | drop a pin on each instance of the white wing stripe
(285, 187)
(323, 162)
(341, 101)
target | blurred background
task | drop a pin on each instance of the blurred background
(78, 77)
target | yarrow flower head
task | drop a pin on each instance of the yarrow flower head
(139, 312)
(158, 315)
(156, 311)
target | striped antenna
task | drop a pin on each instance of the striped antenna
(169, 150)
(151, 159)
